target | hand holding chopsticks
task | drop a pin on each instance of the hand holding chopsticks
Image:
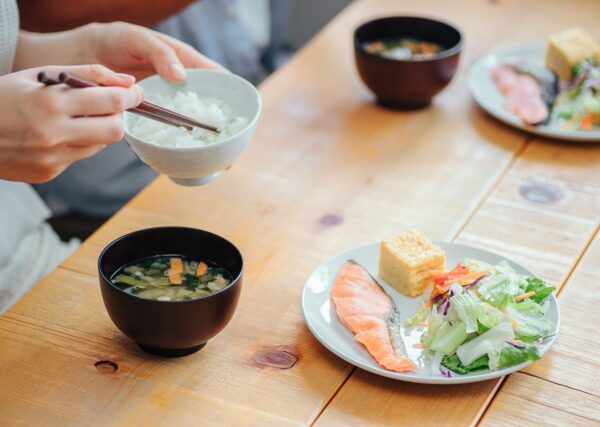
(145, 109)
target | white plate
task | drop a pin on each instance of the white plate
(487, 95)
(321, 318)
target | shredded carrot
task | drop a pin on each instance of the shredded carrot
(460, 274)
(586, 122)
(419, 345)
(442, 289)
(423, 324)
(525, 295)
(175, 271)
(202, 269)
(439, 279)
(515, 323)
(442, 278)
(469, 278)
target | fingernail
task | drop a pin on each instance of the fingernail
(127, 77)
(178, 71)
(141, 93)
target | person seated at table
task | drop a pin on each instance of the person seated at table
(45, 129)
(246, 37)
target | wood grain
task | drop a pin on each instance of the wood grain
(529, 401)
(564, 386)
(327, 170)
(545, 237)
(574, 360)
(222, 385)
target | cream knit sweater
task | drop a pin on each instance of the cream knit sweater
(29, 248)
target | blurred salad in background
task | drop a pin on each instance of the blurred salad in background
(577, 106)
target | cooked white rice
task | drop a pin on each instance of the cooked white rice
(211, 111)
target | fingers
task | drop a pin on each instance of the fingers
(96, 73)
(88, 131)
(99, 101)
(190, 57)
(147, 47)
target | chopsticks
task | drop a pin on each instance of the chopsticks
(145, 109)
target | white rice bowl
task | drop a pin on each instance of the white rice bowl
(209, 110)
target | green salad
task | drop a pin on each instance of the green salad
(482, 317)
(577, 106)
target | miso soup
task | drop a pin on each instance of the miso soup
(171, 278)
(403, 48)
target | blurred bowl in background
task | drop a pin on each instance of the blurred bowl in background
(407, 83)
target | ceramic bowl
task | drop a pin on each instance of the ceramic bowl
(202, 164)
(170, 328)
(407, 83)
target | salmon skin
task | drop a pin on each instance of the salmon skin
(364, 308)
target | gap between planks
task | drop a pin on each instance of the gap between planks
(579, 258)
(333, 395)
(518, 153)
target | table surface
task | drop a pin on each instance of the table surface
(329, 170)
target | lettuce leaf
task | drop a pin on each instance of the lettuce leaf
(449, 337)
(489, 317)
(434, 322)
(468, 308)
(489, 343)
(453, 363)
(540, 287)
(481, 328)
(530, 322)
(501, 285)
(511, 355)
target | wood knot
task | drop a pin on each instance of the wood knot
(106, 366)
(282, 357)
(331, 219)
(541, 192)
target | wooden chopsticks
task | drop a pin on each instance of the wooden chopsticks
(146, 109)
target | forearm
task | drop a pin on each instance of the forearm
(56, 15)
(63, 48)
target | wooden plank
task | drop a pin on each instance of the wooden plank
(569, 373)
(528, 401)
(544, 236)
(50, 367)
(574, 360)
(548, 238)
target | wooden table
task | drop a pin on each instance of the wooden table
(329, 170)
